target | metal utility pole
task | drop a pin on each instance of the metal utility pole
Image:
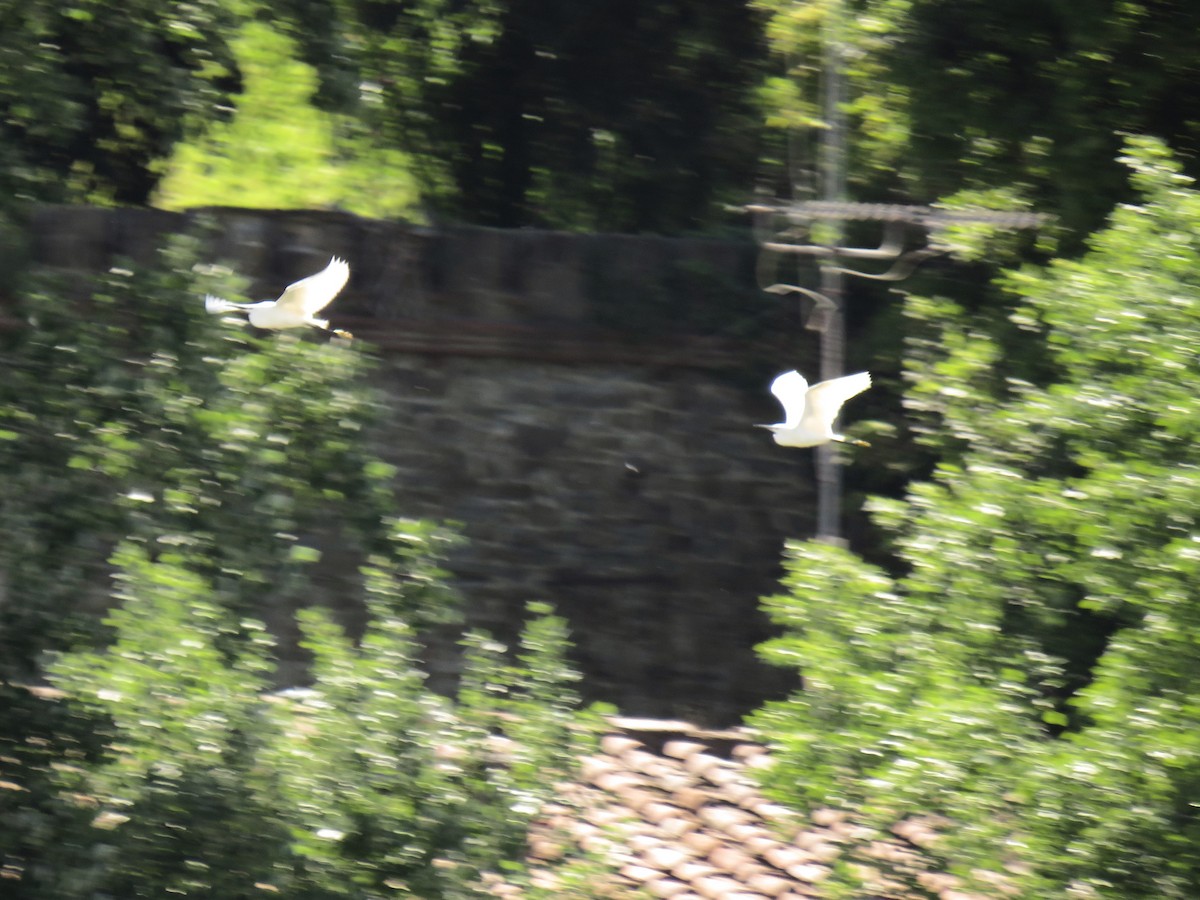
(833, 328)
(817, 228)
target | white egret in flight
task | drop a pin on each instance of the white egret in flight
(296, 306)
(808, 412)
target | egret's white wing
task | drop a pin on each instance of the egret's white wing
(824, 400)
(310, 295)
(218, 305)
(790, 389)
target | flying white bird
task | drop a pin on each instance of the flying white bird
(808, 412)
(297, 305)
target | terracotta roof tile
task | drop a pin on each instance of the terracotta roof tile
(742, 794)
(723, 816)
(614, 782)
(682, 749)
(666, 887)
(593, 766)
(693, 870)
(616, 744)
(600, 817)
(690, 797)
(807, 839)
(782, 856)
(676, 814)
(825, 852)
(641, 842)
(638, 873)
(715, 887)
(729, 858)
(770, 811)
(646, 763)
(828, 817)
(660, 813)
(759, 761)
(635, 796)
(921, 831)
(666, 857)
(701, 841)
(544, 849)
(594, 843)
(711, 769)
(749, 870)
(809, 873)
(678, 827)
(760, 845)
(770, 885)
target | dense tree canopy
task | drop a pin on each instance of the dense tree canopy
(1025, 664)
(185, 476)
(1032, 674)
(625, 116)
(93, 94)
(280, 151)
(633, 116)
(973, 96)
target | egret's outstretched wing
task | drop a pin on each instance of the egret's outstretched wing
(310, 295)
(790, 389)
(218, 305)
(824, 400)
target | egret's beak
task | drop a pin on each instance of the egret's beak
(842, 439)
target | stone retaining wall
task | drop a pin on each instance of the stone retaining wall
(581, 404)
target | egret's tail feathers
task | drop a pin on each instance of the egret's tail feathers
(218, 305)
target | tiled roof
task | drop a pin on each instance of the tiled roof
(674, 812)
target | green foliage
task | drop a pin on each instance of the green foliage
(907, 706)
(1031, 672)
(801, 33)
(204, 469)
(601, 116)
(1026, 99)
(364, 785)
(178, 790)
(93, 94)
(279, 151)
(139, 419)
(388, 786)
